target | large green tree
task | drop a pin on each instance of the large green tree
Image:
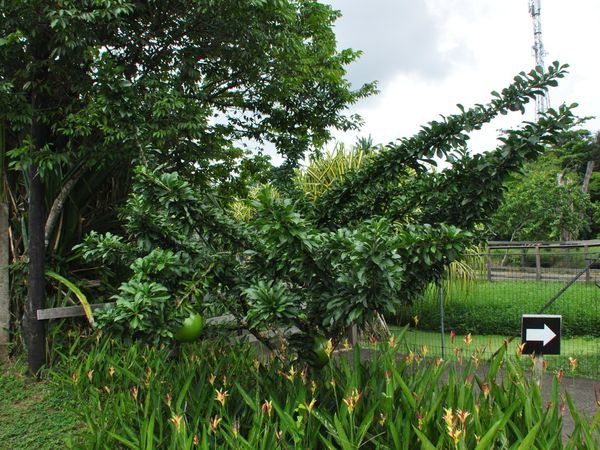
(94, 84)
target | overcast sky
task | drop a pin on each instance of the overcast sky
(429, 55)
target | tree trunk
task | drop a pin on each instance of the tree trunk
(4, 284)
(585, 187)
(40, 136)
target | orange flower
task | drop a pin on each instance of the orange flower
(424, 350)
(214, 422)
(559, 375)
(352, 400)
(196, 440)
(392, 341)
(438, 362)
(134, 392)
(221, 396)
(520, 348)
(111, 371)
(267, 406)
(485, 387)
(468, 339)
(452, 336)
(573, 363)
(410, 357)
(168, 399)
(176, 421)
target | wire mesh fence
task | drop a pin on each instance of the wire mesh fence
(483, 311)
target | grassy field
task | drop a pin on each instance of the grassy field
(33, 415)
(585, 350)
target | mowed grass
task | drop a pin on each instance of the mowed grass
(34, 415)
(584, 349)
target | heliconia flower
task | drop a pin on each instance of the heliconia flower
(416, 320)
(107, 389)
(476, 360)
(449, 417)
(559, 375)
(456, 351)
(520, 348)
(346, 344)
(373, 340)
(387, 375)
(549, 404)
(196, 440)
(485, 387)
(477, 407)
(224, 380)
(328, 347)
(438, 362)
(562, 408)
(235, 428)
(267, 407)
(176, 421)
(313, 386)
(256, 363)
(214, 422)
(469, 380)
(90, 374)
(418, 359)
(168, 399)
(211, 379)
(382, 418)
(455, 435)
(352, 400)
(452, 336)
(278, 435)
(420, 418)
(468, 339)
(573, 363)
(134, 392)
(221, 396)
(410, 357)
(392, 341)
(477, 439)
(111, 371)
(544, 365)
(424, 350)
(310, 406)
(75, 377)
(462, 416)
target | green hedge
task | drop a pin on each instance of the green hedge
(496, 308)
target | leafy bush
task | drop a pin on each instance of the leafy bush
(217, 396)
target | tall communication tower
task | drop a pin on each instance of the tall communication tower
(541, 101)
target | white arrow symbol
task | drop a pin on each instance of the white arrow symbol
(540, 334)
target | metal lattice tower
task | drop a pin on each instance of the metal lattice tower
(541, 101)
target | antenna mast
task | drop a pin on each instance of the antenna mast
(542, 101)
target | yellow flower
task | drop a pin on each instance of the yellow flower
(455, 435)
(176, 421)
(448, 417)
(267, 406)
(310, 406)
(392, 341)
(211, 379)
(111, 371)
(214, 422)
(328, 347)
(313, 386)
(221, 396)
(416, 320)
(352, 400)
(90, 374)
(573, 363)
(347, 345)
(424, 350)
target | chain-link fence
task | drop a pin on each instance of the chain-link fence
(482, 311)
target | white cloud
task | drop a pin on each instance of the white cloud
(464, 49)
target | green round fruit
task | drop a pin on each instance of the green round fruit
(320, 357)
(191, 328)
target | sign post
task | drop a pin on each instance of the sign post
(540, 335)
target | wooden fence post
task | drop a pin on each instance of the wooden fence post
(538, 263)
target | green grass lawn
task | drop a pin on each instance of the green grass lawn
(34, 415)
(585, 350)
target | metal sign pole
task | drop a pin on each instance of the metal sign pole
(441, 316)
